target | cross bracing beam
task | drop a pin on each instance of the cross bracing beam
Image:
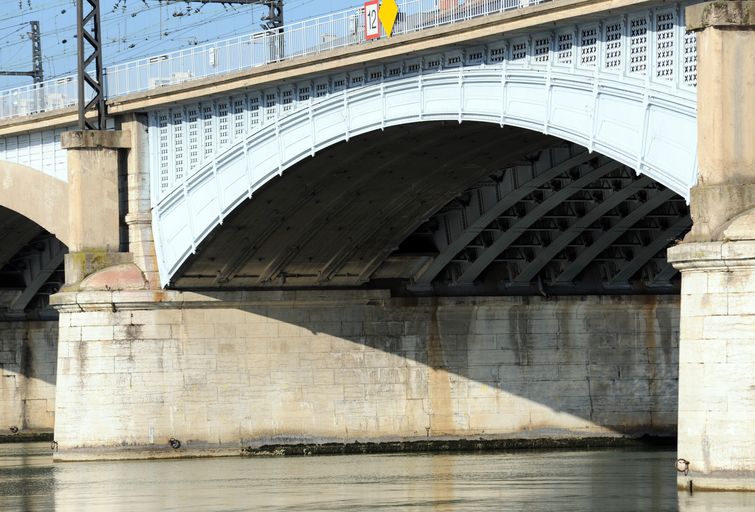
(404, 204)
(621, 279)
(574, 230)
(38, 268)
(476, 226)
(508, 237)
(611, 235)
(331, 209)
(662, 278)
(521, 150)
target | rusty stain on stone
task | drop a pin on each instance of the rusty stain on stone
(439, 382)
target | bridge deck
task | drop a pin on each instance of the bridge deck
(159, 80)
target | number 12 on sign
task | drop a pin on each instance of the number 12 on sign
(371, 20)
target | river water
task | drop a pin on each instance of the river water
(603, 480)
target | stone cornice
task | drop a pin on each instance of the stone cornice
(713, 255)
(721, 14)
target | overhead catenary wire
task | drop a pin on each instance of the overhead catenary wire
(131, 30)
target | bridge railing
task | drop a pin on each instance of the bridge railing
(30, 99)
(308, 37)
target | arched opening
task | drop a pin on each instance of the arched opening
(449, 209)
(523, 279)
(31, 269)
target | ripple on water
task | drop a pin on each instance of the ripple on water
(605, 480)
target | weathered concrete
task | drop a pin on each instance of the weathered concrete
(94, 212)
(28, 357)
(725, 113)
(226, 371)
(717, 259)
(141, 240)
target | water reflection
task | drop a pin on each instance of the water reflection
(533, 481)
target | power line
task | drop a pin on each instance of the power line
(122, 43)
(36, 57)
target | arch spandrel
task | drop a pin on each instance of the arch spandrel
(641, 115)
(37, 196)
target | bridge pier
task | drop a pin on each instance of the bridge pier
(96, 206)
(232, 370)
(717, 259)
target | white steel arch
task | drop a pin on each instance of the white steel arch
(623, 87)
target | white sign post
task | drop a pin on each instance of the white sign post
(371, 20)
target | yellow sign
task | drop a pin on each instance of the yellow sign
(388, 12)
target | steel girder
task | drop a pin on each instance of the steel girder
(520, 227)
(610, 236)
(621, 279)
(508, 198)
(35, 268)
(583, 230)
(575, 229)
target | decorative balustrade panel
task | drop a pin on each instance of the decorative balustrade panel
(648, 50)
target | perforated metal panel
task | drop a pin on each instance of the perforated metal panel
(588, 46)
(689, 66)
(40, 151)
(638, 45)
(565, 48)
(613, 45)
(664, 45)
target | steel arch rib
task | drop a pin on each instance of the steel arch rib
(38, 271)
(272, 270)
(400, 236)
(342, 255)
(609, 236)
(558, 245)
(484, 220)
(510, 236)
(185, 215)
(664, 276)
(621, 279)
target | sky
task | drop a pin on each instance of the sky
(131, 29)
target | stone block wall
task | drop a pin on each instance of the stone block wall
(28, 358)
(717, 364)
(224, 371)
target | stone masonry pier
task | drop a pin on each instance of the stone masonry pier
(221, 372)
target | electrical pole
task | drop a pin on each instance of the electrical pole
(36, 72)
(36, 53)
(273, 23)
(89, 40)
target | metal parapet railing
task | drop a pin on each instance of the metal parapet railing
(307, 37)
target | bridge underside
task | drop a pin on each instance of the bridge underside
(31, 268)
(450, 209)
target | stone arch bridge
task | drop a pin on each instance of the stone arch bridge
(498, 156)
